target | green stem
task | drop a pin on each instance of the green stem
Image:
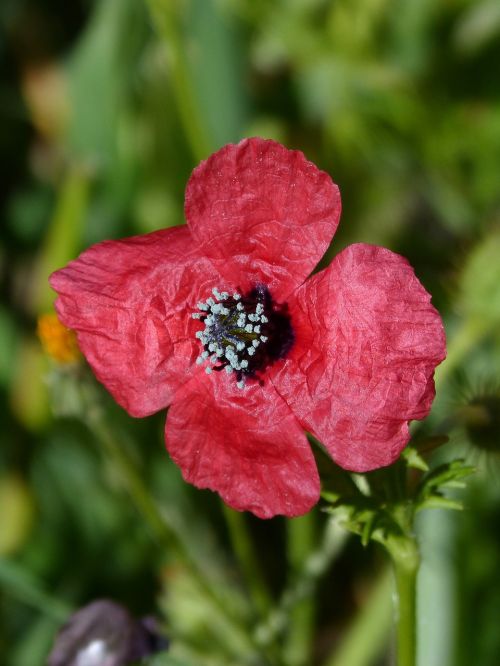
(242, 545)
(22, 585)
(64, 233)
(304, 584)
(164, 534)
(167, 25)
(406, 582)
(406, 560)
(367, 636)
(301, 537)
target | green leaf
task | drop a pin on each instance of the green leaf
(23, 585)
(438, 502)
(217, 68)
(99, 73)
(413, 459)
(448, 476)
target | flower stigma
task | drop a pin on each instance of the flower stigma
(244, 333)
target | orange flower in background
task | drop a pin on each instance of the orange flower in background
(57, 341)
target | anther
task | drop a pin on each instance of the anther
(236, 330)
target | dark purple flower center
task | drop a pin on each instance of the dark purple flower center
(243, 333)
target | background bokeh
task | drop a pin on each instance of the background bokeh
(105, 108)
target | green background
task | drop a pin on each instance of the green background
(105, 108)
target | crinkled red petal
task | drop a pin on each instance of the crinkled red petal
(262, 214)
(368, 341)
(130, 302)
(243, 443)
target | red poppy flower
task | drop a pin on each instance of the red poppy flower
(217, 320)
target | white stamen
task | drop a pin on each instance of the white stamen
(225, 327)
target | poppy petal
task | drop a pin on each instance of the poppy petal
(262, 214)
(129, 302)
(367, 342)
(243, 443)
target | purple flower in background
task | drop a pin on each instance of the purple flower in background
(103, 633)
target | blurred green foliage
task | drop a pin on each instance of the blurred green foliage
(105, 107)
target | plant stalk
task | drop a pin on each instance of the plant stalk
(241, 541)
(406, 562)
(163, 533)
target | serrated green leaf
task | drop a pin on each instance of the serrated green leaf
(446, 475)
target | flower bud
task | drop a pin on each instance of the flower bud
(103, 633)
